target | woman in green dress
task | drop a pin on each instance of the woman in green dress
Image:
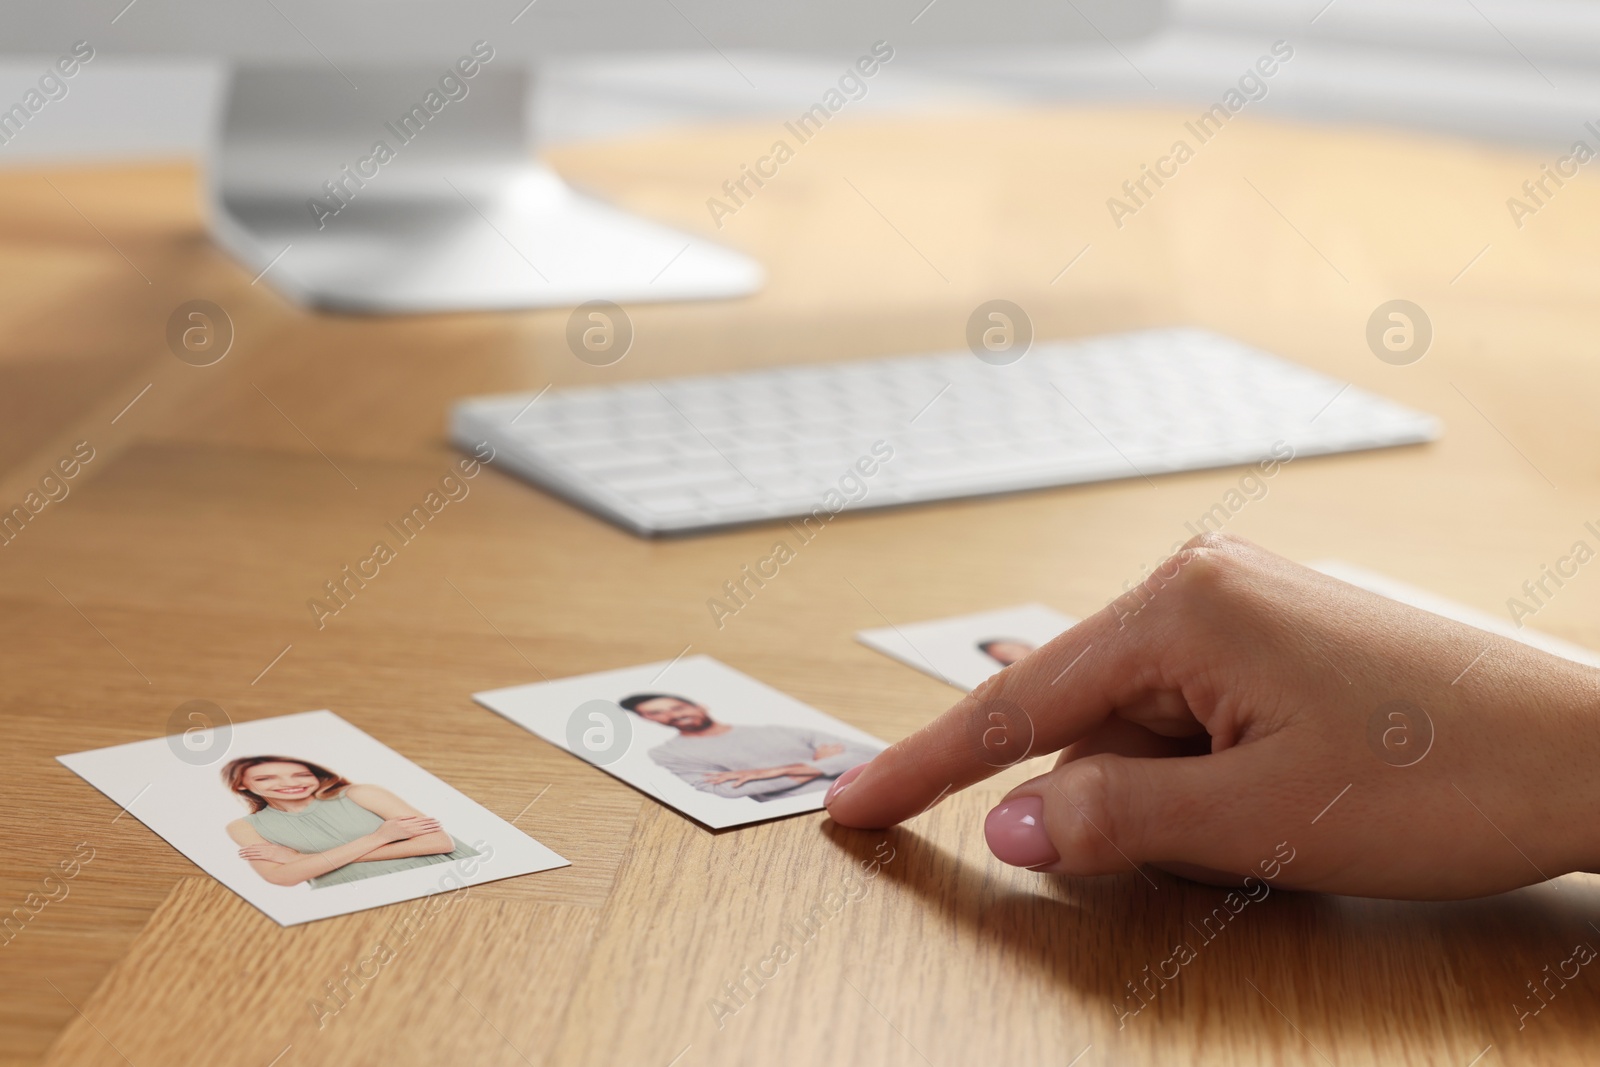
(308, 824)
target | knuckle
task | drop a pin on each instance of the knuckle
(1209, 566)
(1093, 789)
(993, 728)
(1201, 571)
(1005, 687)
(1215, 540)
(991, 688)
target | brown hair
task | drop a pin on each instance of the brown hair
(632, 703)
(329, 784)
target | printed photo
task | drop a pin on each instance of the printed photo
(702, 738)
(306, 816)
(965, 650)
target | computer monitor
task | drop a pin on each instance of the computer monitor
(373, 155)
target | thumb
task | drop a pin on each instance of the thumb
(1107, 814)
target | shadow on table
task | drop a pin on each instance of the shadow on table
(1167, 960)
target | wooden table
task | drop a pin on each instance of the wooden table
(223, 497)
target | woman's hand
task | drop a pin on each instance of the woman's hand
(1239, 708)
(406, 827)
(270, 853)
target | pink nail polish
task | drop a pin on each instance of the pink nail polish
(1016, 835)
(841, 783)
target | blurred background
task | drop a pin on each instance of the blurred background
(1522, 73)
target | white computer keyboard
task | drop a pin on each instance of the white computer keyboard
(694, 453)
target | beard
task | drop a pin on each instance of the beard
(700, 724)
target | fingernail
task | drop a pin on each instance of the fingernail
(1016, 835)
(841, 783)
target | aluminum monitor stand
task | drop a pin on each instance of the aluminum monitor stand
(404, 190)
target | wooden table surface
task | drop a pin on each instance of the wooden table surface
(180, 565)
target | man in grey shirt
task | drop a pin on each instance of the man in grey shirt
(759, 762)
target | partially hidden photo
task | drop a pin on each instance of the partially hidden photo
(307, 817)
(695, 734)
(965, 650)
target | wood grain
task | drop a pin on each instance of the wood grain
(180, 565)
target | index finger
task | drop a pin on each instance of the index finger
(1045, 702)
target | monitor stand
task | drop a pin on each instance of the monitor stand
(395, 198)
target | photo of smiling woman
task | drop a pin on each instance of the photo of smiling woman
(308, 824)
